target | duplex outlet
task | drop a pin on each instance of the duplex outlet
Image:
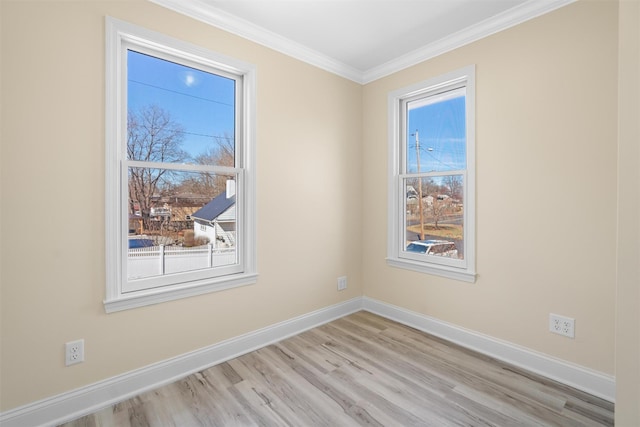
(342, 283)
(562, 325)
(74, 352)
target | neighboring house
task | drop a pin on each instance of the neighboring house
(412, 194)
(177, 209)
(216, 221)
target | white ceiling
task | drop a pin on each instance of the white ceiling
(363, 40)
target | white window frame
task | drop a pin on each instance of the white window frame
(463, 270)
(121, 35)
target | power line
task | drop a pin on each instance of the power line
(200, 134)
(180, 93)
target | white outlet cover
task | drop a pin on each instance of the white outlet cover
(562, 325)
(74, 352)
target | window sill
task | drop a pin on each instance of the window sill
(156, 296)
(436, 270)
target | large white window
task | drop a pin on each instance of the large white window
(180, 183)
(431, 225)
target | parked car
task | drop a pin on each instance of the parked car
(433, 247)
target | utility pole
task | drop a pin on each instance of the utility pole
(419, 187)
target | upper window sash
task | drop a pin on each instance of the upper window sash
(191, 60)
(423, 99)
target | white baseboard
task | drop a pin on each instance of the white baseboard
(71, 405)
(76, 403)
(588, 380)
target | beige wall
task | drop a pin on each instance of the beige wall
(309, 169)
(628, 289)
(547, 173)
(546, 106)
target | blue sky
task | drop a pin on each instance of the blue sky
(440, 122)
(201, 102)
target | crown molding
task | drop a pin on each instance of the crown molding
(201, 11)
(225, 21)
(507, 19)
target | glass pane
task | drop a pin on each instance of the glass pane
(436, 133)
(178, 114)
(435, 226)
(179, 221)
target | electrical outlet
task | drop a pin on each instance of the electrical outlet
(562, 325)
(74, 352)
(342, 283)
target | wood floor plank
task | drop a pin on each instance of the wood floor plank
(307, 402)
(471, 369)
(360, 370)
(266, 408)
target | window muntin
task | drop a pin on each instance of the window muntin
(179, 140)
(431, 176)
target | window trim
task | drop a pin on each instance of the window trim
(396, 201)
(119, 36)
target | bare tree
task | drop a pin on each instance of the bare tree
(440, 202)
(222, 154)
(439, 208)
(152, 136)
(429, 187)
(454, 185)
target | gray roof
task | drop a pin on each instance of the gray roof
(214, 208)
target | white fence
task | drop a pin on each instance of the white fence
(159, 260)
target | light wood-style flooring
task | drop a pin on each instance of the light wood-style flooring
(359, 370)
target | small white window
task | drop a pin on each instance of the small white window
(431, 225)
(180, 159)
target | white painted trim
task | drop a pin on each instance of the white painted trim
(585, 379)
(436, 270)
(85, 400)
(211, 15)
(464, 270)
(120, 293)
(505, 20)
(157, 296)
